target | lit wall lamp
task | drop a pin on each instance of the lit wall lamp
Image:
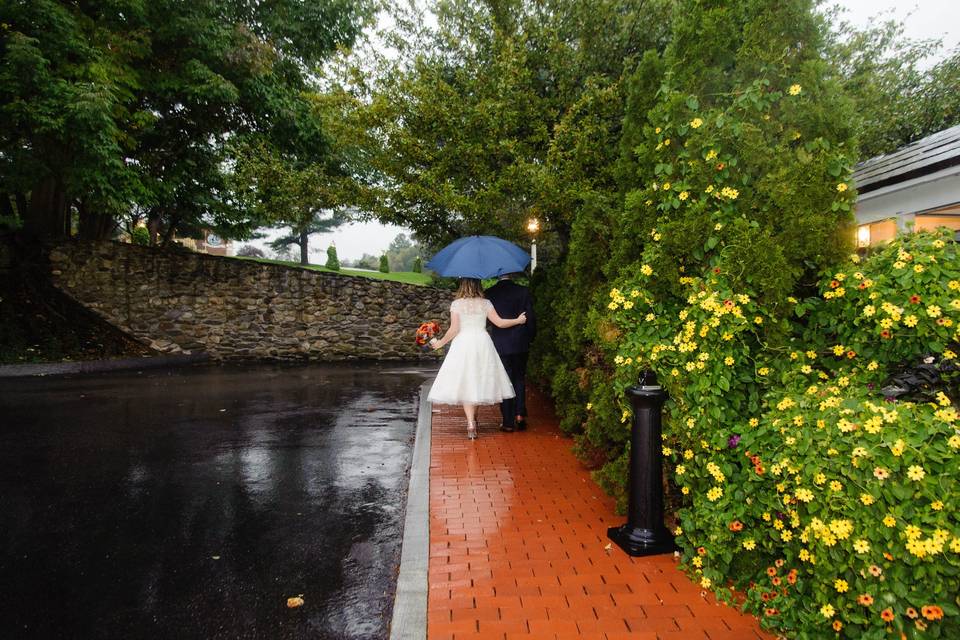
(863, 235)
(533, 226)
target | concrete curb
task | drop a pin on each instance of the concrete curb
(97, 366)
(410, 606)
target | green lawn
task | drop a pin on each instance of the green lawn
(409, 277)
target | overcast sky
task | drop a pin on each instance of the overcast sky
(922, 19)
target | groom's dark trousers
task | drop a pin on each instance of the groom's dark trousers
(513, 344)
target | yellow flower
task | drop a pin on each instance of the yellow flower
(666, 142)
(933, 311)
(646, 270)
(866, 499)
(899, 264)
(842, 187)
(688, 454)
(841, 586)
(667, 451)
(705, 582)
(728, 361)
(678, 531)
(628, 305)
(714, 494)
(954, 442)
(758, 320)
(754, 422)
(696, 123)
(749, 544)
(916, 473)
(826, 610)
(889, 521)
(763, 371)
(872, 366)
(839, 350)
(657, 130)
(897, 448)
(936, 505)
(666, 186)
(861, 546)
(589, 406)
(795, 89)
(711, 154)
(918, 268)
(803, 494)
(612, 305)
(835, 485)
(683, 195)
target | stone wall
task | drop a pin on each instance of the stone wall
(183, 302)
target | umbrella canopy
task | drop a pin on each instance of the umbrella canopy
(479, 257)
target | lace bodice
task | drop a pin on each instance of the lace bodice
(472, 312)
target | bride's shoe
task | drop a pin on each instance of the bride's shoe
(471, 431)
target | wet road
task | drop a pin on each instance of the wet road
(192, 503)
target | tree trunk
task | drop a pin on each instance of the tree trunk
(47, 215)
(171, 230)
(94, 224)
(21, 205)
(153, 226)
(6, 207)
(304, 254)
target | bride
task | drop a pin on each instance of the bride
(471, 372)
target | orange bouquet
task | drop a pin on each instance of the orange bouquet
(425, 333)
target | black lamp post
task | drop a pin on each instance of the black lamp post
(644, 533)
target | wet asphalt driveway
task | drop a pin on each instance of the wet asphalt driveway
(192, 503)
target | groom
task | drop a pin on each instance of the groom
(513, 344)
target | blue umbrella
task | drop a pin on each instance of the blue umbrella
(479, 257)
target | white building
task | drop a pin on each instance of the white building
(916, 186)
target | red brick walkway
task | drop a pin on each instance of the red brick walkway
(517, 538)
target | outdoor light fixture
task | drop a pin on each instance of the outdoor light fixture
(863, 235)
(533, 226)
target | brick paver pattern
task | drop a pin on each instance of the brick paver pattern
(518, 547)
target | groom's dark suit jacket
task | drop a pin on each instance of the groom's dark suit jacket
(510, 300)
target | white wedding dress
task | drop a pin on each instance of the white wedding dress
(471, 372)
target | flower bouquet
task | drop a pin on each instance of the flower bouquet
(425, 333)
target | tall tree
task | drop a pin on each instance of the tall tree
(109, 104)
(282, 190)
(900, 96)
(473, 125)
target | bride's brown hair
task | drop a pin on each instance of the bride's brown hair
(469, 288)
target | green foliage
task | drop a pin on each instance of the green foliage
(140, 236)
(791, 464)
(333, 263)
(110, 104)
(900, 96)
(417, 265)
(384, 264)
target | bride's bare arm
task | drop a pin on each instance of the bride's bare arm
(450, 334)
(495, 318)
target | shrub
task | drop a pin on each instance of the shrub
(333, 263)
(140, 235)
(250, 251)
(417, 265)
(830, 507)
(384, 264)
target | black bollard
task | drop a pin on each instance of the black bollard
(644, 533)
